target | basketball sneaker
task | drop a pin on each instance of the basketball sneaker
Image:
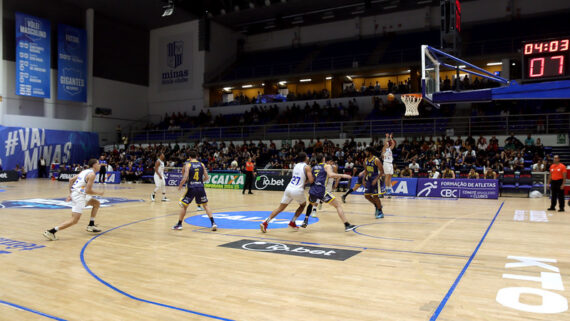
(350, 227)
(293, 225)
(305, 223)
(50, 236)
(164, 199)
(343, 197)
(177, 227)
(152, 197)
(263, 227)
(379, 214)
(92, 228)
(314, 212)
(199, 208)
(214, 227)
(318, 207)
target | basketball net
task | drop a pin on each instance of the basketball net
(411, 101)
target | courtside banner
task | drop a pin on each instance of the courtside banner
(400, 186)
(173, 178)
(271, 182)
(25, 146)
(33, 61)
(113, 177)
(71, 63)
(458, 188)
(8, 176)
(225, 181)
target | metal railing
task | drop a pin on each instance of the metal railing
(475, 125)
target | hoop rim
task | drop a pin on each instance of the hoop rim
(412, 95)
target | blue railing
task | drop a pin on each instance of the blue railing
(476, 125)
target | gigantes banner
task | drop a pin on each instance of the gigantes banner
(33, 61)
(25, 146)
(71, 63)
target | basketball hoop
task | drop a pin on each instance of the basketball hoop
(411, 101)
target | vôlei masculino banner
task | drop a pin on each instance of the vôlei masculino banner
(33, 59)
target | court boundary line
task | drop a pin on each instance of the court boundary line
(23, 308)
(86, 267)
(443, 302)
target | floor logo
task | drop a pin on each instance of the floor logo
(247, 220)
(59, 203)
(292, 249)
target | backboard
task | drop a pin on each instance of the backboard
(436, 91)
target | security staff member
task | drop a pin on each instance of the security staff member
(556, 182)
(249, 173)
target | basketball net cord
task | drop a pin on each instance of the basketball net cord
(412, 102)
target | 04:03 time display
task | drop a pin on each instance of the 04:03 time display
(546, 59)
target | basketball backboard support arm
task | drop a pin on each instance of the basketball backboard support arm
(433, 59)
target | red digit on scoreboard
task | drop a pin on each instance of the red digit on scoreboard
(553, 46)
(560, 63)
(538, 46)
(564, 44)
(532, 73)
(528, 49)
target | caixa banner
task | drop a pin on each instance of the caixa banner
(458, 188)
(271, 182)
(400, 186)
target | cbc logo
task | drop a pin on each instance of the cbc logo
(448, 193)
(172, 182)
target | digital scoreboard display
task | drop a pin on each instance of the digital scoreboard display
(546, 59)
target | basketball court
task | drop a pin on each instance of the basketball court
(428, 259)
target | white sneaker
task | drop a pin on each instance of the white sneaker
(214, 227)
(314, 213)
(164, 199)
(152, 197)
(320, 206)
(50, 236)
(177, 227)
(92, 228)
(199, 208)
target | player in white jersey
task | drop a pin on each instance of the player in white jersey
(159, 180)
(80, 191)
(294, 191)
(388, 159)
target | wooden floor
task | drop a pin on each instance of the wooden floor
(428, 259)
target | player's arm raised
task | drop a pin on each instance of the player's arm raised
(89, 187)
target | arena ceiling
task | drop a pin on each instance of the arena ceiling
(246, 16)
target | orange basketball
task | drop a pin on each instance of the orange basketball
(391, 97)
